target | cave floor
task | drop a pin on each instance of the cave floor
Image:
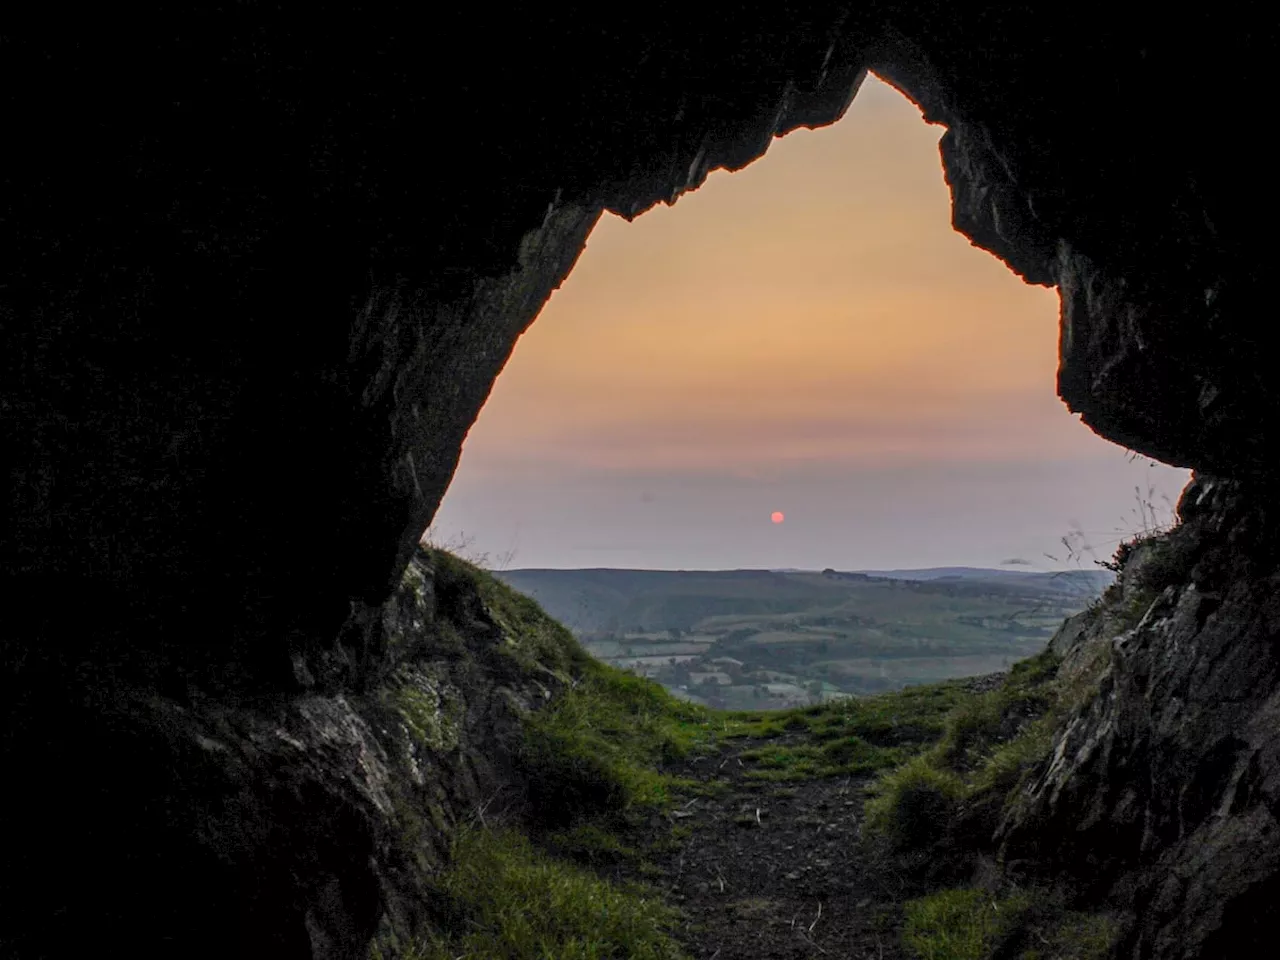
(768, 870)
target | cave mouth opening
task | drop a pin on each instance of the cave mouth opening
(807, 336)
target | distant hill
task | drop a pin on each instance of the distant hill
(762, 638)
(1091, 581)
(608, 599)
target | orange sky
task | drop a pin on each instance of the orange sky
(813, 314)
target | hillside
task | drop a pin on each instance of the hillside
(761, 639)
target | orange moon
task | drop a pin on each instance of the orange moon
(777, 516)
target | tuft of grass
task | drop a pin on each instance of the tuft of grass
(1006, 767)
(597, 748)
(1145, 566)
(973, 924)
(980, 724)
(988, 744)
(960, 924)
(971, 728)
(502, 898)
(913, 804)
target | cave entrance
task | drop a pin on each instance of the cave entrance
(799, 369)
(806, 337)
(799, 366)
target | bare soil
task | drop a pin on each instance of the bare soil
(773, 871)
(781, 870)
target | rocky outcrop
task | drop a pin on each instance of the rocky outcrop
(1161, 793)
(293, 826)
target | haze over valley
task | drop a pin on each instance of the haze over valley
(761, 639)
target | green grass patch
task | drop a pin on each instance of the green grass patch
(593, 845)
(431, 712)
(1006, 766)
(530, 637)
(597, 748)
(912, 715)
(959, 924)
(848, 756)
(733, 725)
(912, 804)
(847, 737)
(501, 899)
(970, 728)
(972, 924)
(986, 745)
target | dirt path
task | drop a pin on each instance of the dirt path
(771, 870)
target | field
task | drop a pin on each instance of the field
(757, 639)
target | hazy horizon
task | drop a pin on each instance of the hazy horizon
(809, 336)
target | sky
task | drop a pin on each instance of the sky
(806, 336)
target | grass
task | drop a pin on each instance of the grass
(593, 845)
(910, 715)
(502, 899)
(945, 801)
(597, 749)
(971, 924)
(913, 803)
(979, 723)
(848, 756)
(845, 738)
(959, 924)
(531, 639)
(988, 743)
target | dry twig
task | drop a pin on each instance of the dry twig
(817, 918)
